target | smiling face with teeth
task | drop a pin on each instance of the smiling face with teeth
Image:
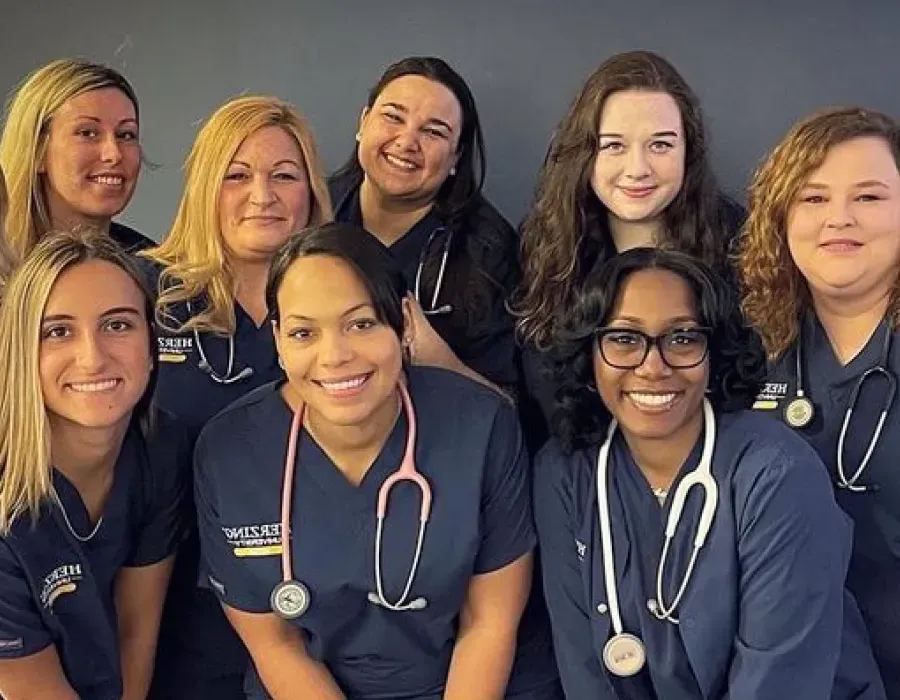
(94, 349)
(408, 140)
(655, 405)
(340, 358)
(92, 159)
(843, 230)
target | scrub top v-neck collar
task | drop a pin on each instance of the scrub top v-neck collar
(406, 249)
(820, 361)
(315, 464)
(114, 507)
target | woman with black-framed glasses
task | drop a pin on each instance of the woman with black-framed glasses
(691, 550)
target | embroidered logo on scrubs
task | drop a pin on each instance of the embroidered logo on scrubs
(11, 644)
(254, 540)
(771, 395)
(174, 348)
(61, 581)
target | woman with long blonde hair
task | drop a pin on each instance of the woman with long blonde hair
(6, 256)
(253, 180)
(71, 152)
(92, 481)
(820, 262)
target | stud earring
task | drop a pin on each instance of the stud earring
(452, 172)
(280, 363)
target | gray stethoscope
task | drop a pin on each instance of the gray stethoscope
(290, 598)
(624, 653)
(433, 309)
(800, 411)
(204, 365)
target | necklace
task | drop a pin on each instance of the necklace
(78, 537)
(661, 494)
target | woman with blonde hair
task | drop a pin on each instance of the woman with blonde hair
(6, 257)
(820, 263)
(71, 152)
(253, 179)
(92, 482)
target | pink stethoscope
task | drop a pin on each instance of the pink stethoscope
(290, 598)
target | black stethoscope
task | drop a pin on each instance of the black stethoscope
(290, 598)
(799, 412)
(206, 367)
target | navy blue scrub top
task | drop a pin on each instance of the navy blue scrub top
(57, 590)
(493, 244)
(765, 614)
(197, 645)
(875, 566)
(129, 239)
(193, 395)
(469, 448)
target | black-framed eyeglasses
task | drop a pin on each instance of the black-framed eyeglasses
(627, 348)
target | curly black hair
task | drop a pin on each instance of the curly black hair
(736, 357)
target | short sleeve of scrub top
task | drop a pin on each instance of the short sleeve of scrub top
(506, 504)
(218, 563)
(166, 510)
(22, 632)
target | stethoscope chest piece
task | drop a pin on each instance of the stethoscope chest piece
(624, 654)
(799, 412)
(290, 599)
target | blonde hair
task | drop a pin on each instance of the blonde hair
(25, 135)
(774, 293)
(26, 479)
(6, 256)
(193, 254)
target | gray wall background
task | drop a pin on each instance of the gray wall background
(758, 65)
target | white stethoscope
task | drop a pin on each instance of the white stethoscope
(624, 653)
(204, 364)
(800, 411)
(290, 598)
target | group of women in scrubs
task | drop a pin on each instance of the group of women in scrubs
(417, 471)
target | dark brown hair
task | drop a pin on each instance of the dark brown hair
(566, 233)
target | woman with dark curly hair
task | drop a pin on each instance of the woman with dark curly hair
(820, 261)
(627, 167)
(657, 589)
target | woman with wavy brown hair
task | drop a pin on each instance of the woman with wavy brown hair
(627, 167)
(820, 266)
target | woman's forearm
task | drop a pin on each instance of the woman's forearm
(288, 673)
(481, 663)
(137, 654)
